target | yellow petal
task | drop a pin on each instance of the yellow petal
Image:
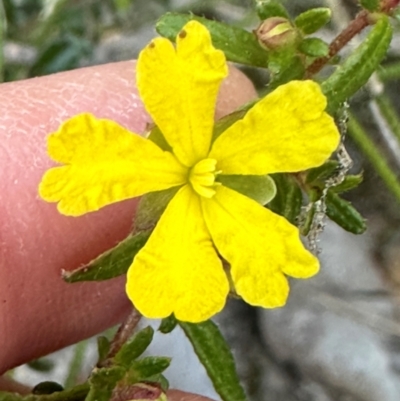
(105, 163)
(179, 89)
(178, 269)
(286, 131)
(259, 245)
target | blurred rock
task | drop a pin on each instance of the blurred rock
(336, 327)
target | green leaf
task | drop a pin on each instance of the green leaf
(134, 347)
(350, 182)
(370, 5)
(148, 367)
(284, 66)
(312, 20)
(102, 382)
(151, 207)
(168, 324)
(239, 46)
(112, 263)
(359, 66)
(321, 173)
(260, 188)
(214, 353)
(103, 347)
(314, 47)
(288, 199)
(270, 8)
(344, 214)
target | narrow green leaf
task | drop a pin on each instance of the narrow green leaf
(112, 263)
(288, 199)
(350, 182)
(370, 5)
(344, 214)
(270, 8)
(239, 46)
(260, 188)
(168, 324)
(102, 382)
(312, 20)
(103, 347)
(374, 156)
(151, 207)
(148, 367)
(321, 173)
(214, 353)
(134, 347)
(359, 66)
(314, 47)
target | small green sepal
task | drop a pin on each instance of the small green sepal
(350, 182)
(314, 47)
(344, 214)
(270, 8)
(371, 5)
(260, 188)
(168, 324)
(149, 366)
(134, 347)
(312, 20)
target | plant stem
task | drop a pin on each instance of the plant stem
(361, 21)
(372, 153)
(122, 335)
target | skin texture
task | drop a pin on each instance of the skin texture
(39, 313)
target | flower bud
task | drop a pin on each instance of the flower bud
(275, 33)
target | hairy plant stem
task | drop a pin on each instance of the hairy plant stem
(361, 21)
(122, 335)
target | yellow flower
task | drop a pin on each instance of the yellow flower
(179, 269)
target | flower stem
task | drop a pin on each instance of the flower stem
(122, 335)
(361, 21)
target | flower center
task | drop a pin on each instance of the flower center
(202, 177)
